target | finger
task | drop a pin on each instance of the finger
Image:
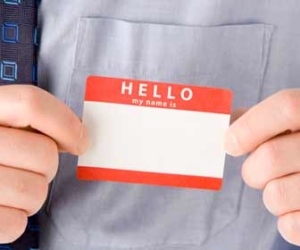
(12, 224)
(289, 227)
(35, 152)
(273, 159)
(22, 106)
(281, 196)
(22, 190)
(271, 117)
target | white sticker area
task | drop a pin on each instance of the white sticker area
(155, 139)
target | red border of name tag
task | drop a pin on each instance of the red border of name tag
(204, 99)
(140, 177)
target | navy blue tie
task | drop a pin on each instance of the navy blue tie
(18, 65)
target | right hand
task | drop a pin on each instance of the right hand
(34, 128)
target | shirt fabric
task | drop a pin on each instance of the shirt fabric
(250, 46)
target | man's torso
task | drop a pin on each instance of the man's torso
(251, 47)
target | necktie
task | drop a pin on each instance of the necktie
(18, 60)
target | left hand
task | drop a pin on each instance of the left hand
(274, 162)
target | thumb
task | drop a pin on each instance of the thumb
(236, 114)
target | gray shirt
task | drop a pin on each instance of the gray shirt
(249, 46)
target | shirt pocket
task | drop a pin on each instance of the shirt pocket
(114, 215)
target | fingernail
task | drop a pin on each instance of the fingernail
(231, 144)
(84, 141)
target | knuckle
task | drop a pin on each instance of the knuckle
(269, 152)
(30, 99)
(20, 224)
(50, 157)
(247, 173)
(288, 227)
(260, 165)
(248, 129)
(249, 177)
(289, 104)
(15, 228)
(32, 192)
(20, 187)
(40, 196)
(274, 197)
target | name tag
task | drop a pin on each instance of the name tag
(155, 133)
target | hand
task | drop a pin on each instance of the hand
(270, 131)
(29, 157)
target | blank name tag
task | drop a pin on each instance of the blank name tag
(155, 133)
